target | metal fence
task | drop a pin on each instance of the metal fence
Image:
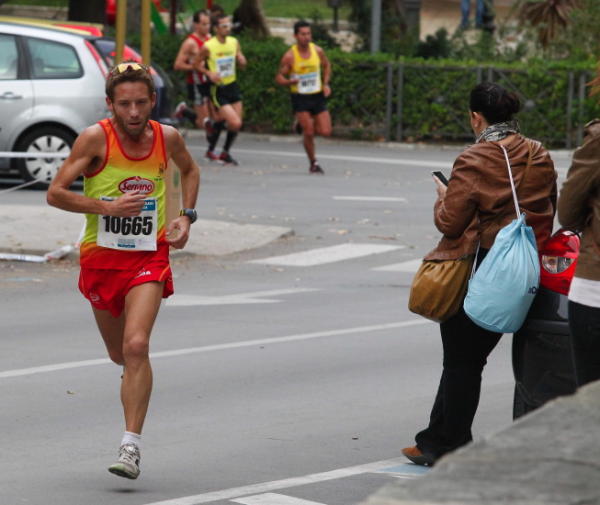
(424, 102)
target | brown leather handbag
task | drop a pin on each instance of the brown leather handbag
(438, 288)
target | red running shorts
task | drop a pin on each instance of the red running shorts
(107, 289)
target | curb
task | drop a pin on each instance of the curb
(392, 145)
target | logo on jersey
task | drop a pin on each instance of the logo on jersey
(137, 183)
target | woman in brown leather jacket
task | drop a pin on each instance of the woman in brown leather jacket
(579, 209)
(471, 210)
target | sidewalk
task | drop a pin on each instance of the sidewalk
(34, 229)
(549, 457)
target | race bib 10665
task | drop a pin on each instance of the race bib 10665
(135, 233)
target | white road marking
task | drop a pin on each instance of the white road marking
(406, 266)
(273, 499)
(404, 471)
(237, 299)
(370, 198)
(218, 347)
(358, 159)
(325, 255)
(228, 494)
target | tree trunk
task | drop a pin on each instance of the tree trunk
(134, 13)
(90, 11)
(249, 16)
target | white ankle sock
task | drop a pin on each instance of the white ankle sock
(131, 438)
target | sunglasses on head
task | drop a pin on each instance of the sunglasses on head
(125, 67)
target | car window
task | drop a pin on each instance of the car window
(8, 57)
(53, 60)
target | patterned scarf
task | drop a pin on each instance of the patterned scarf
(498, 131)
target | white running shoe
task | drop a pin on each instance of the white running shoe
(128, 464)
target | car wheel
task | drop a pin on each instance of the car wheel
(50, 139)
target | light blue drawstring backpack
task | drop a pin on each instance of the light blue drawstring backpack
(502, 289)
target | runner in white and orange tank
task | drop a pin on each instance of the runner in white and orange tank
(306, 70)
(198, 85)
(124, 254)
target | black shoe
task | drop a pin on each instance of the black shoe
(315, 168)
(418, 457)
(226, 159)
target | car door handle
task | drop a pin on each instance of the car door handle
(9, 95)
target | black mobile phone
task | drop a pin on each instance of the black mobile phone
(441, 177)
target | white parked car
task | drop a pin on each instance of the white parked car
(51, 88)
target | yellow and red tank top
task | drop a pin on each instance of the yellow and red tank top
(123, 243)
(193, 76)
(307, 71)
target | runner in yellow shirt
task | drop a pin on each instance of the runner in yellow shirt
(219, 59)
(307, 71)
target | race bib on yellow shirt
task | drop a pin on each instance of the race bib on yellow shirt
(225, 66)
(135, 233)
(309, 83)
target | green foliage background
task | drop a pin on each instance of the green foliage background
(434, 96)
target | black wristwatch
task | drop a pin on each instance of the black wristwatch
(190, 213)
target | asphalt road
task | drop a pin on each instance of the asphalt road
(278, 378)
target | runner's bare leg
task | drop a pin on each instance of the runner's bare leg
(141, 308)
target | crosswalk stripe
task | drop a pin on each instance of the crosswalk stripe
(404, 471)
(406, 266)
(324, 255)
(179, 300)
(273, 499)
(229, 494)
(370, 198)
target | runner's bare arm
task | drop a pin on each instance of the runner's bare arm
(326, 71)
(201, 64)
(285, 67)
(239, 56)
(178, 230)
(86, 156)
(185, 56)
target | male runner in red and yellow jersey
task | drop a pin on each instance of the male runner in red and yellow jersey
(307, 71)
(198, 85)
(124, 253)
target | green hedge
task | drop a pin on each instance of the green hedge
(433, 98)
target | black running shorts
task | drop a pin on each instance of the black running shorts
(314, 103)
(198, 93)
(225, 95)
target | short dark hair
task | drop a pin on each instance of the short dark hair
(216, 17)
(198, 14)
(495, 103)
(300, 24)
(128, 71)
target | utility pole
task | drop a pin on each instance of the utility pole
(121, 23)
(145, 29)
(412, 9)
(375, 26)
